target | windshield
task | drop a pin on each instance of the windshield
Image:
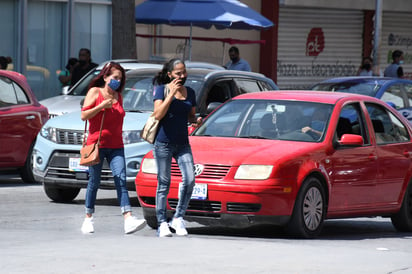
(83, 85)
(268, 119)
(365, 88)
(138, 92)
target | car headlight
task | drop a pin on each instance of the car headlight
(149, 166)
(131, 136)
(253, 172)
(49, 133)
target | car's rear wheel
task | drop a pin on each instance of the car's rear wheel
(61, 194)
(309, 211)
(402, 220)
(26, 172)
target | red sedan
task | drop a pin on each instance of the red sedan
(294, 159)
(21, 118)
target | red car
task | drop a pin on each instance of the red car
(294, 159)
(21, 118)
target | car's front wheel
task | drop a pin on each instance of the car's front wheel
(402, 220)
(309, 211)
(26, 172)
(61, 194)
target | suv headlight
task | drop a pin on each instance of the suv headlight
(49, 133)
(253, 172)
(131, 136)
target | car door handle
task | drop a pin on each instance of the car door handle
(30, 117)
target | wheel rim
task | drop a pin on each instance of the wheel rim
(313, 208)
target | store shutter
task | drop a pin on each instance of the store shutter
(316, 44)
(396, 35)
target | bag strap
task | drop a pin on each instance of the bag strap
(100, 133)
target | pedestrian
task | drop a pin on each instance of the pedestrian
(174, 111)
(65, 74)
(394, 69)
(366, 67)
(84, 65)
(236, 63)
(105, 96)
(4, 61)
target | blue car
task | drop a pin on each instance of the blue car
(396, 92)
(56, 155)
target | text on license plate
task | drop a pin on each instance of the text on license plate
(199, 191)
(74, 165)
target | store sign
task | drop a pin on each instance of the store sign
(315, 43)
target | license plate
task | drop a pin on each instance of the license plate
(74, 165)
(199, 191)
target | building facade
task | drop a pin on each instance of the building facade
(41, 35)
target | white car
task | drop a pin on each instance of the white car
(72, 100)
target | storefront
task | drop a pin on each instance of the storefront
(315, 44)
(40, 36)
(396, 35)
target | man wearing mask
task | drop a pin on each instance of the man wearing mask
(237, 63)
(394, 69)
(84, 65)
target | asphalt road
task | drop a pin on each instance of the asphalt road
(39, 236)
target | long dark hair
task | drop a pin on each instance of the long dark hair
(162, 78)
(98, 81)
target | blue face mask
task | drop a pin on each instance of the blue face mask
(114, 84)
(400, 62)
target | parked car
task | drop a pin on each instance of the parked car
(21, 117)
(395, 91)
(56, 152)
(256, 162)
(72, 100)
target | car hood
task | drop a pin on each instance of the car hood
(62, 104)
(72, 121)
(236, 151)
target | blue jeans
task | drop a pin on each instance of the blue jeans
(115, 158)
(163, 153)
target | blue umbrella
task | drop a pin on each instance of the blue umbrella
(200, 13)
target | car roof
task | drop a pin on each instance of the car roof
(305, 95)
(364, 79)
(129, 64)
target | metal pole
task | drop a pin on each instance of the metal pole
(21, 61)
(190, 43)
(377, 34)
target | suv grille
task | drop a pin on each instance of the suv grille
(209, 171)
(59, 168)
(72, 137)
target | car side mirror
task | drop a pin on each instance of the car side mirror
(212, 106)
(65, 90)
(351, 140)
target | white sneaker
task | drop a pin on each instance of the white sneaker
(132, 224)
(178, 224)
(163, 230)
(87, 226)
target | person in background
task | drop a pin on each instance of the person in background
(174, 111)
(84, 65)
(366, 68)
(4, 61)
(237, 63)
(394, 69)
(64, 75)
(105, 96)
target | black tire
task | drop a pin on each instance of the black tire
(402, 220)
(61, 194)
(150, 219)
(26, 172)
(309, 210)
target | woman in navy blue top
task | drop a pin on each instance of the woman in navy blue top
(175, 111)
